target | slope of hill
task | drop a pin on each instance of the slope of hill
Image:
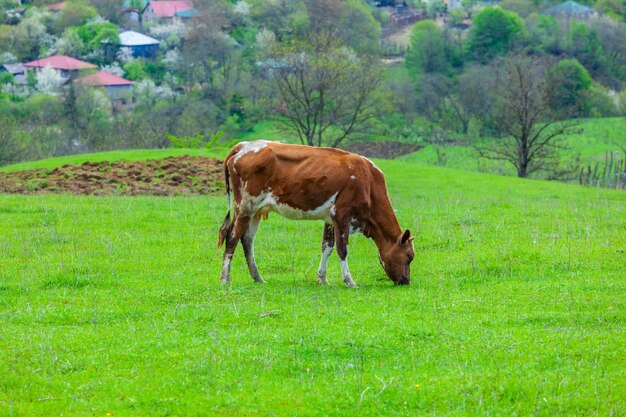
(112, 306)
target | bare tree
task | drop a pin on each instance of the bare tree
(13, 142)
(326, 92)
(526, 130)
(472, 98)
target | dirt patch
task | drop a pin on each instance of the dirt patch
(382, 150)
(169, 176)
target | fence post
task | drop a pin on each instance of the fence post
(595, 175)
(618, 168)
(606, 161)
(581, 175)
(608, 176)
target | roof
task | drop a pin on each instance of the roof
(60, 62)
(103, 79)
(131, 38)
(14, 68)
(169, 8)
(187, 13)
(569, 8)
(57, 6)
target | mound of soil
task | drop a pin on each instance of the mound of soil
(382, 150)
(170, 176)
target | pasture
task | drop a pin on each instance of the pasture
(111, 306)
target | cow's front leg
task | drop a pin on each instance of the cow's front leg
(235, 231)
(328, 242)
(341, 240)
(247, 241)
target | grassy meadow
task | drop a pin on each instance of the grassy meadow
(111, 306)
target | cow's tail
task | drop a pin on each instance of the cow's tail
(226, 223)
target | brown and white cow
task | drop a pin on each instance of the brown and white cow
(345, 190)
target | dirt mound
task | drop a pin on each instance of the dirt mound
(383, 150)
(170, 176)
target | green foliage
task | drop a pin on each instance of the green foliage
(572, 82)
(358, 28)
(584, 46)
(6, 78)
(495, 32)
(75, 12)
(199, 141)
(111, 305)
(544, 34)
(135, 70)
(93, 34)
(185, 141)
(427, 50)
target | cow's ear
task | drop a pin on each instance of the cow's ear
(406, 237)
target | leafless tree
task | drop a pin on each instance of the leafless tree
(326, 92)
(472, 98)
(13, 143)
(527, 131)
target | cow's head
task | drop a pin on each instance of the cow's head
(396, 259)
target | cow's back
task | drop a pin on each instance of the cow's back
(302, 177)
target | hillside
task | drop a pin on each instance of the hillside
(112, 306)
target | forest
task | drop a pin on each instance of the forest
(497, 76)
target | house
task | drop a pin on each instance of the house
(571, 10)
(119, 89)
(17, 70)
(67, 66)
(157, 11)
(142, 46)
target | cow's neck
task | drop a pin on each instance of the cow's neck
(382, 225)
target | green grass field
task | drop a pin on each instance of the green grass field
(111, 306)
(591, 140)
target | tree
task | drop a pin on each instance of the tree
(526, 128)
(426, 53)
(75, 12)
(495, 32)
(472, 98)
(571, 83)
(13, 146)
(49, 80)
(325, 91)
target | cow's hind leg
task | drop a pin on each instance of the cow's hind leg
(235, 232)
(328, 242)
(341, 240)
(247, 241)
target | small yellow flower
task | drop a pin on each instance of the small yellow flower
(417, 386)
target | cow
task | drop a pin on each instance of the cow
(344, 190)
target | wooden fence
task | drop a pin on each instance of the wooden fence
(611, 174)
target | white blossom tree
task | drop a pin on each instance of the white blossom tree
(49, 81)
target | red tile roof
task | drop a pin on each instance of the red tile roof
(169, 8)
(57, 7)
(60, 62)
(103, 79)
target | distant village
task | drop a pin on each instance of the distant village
(141, 13)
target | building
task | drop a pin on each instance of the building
(571, 10)
(67, 66)
(160, 11)
(142, 46)
(119, 89)
(17, 70)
